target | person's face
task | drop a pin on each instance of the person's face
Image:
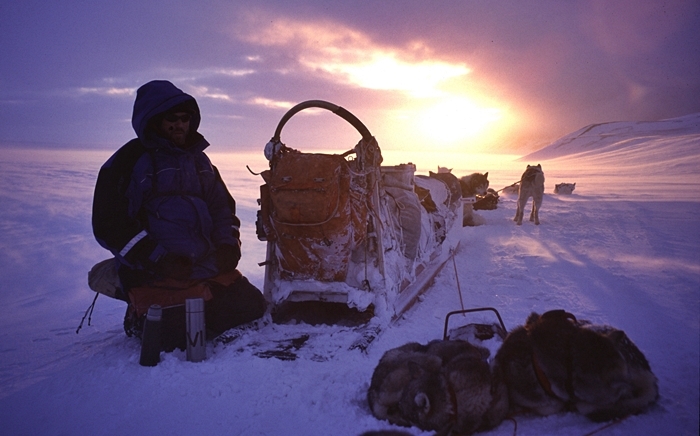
(175, 127)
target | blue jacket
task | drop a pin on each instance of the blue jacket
(152, 197)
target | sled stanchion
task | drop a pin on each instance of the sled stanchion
(338, 110)
(479, 309)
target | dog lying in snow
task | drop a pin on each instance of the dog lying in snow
(488, 201)
(531, 185)
(555, 363)
(445, 386)
(564, 188)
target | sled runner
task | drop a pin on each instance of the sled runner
(348, 239)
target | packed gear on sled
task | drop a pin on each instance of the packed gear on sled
(345, 232)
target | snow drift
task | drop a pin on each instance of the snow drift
(621, 250)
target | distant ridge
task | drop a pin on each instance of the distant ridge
(614, 136)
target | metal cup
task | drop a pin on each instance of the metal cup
(150, 340)
(196, 332)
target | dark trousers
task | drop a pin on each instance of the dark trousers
(231, 306)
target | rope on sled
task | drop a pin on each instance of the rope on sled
(459, 289)
(511, 185)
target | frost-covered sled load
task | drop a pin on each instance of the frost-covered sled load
(348, 235)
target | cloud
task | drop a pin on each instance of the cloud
(547, 67)
(205, 92)
(107, 91)
(435, 101)
(630, 28)
(350, 57)
(268, 103)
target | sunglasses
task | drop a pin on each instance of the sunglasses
(171, 118)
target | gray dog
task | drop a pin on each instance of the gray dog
(474, 184)
(555, 363)
(398, 367)
(531, 185)
(446, 386)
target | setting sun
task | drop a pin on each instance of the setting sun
(455, 119)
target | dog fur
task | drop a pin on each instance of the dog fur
(564, 188)
(488, 201)
(555, 363)
(397, 367)
(531, 185)
(458, 397)
(474, 184)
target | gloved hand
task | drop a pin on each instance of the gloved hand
(174, 266)
(227, 257)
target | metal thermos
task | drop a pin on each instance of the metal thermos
(196, 339)
(150, 341)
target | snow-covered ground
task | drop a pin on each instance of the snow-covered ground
(624, 250)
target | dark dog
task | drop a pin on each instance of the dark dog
(555, 363)
(488, 201)
(398, 367)
(474, 184)
(531, 185)
(460, 396)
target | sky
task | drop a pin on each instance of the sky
(460, 76)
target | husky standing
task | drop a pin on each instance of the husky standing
(531, 185)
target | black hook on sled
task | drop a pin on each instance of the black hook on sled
(479, 309)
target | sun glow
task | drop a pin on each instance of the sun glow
(384, 71)
(455, 119)
(433, 101)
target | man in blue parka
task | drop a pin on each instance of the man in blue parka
(162, 209)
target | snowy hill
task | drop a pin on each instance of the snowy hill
(627, 137)
(622, 250)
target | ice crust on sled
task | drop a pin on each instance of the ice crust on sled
(343, 229)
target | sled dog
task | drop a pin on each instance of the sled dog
(564, 188)
(555, 363)
(397, 367)
(531, 185)
(474, 184)
(458, 396)
(488, 201)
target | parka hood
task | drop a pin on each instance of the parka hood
(157, 97)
